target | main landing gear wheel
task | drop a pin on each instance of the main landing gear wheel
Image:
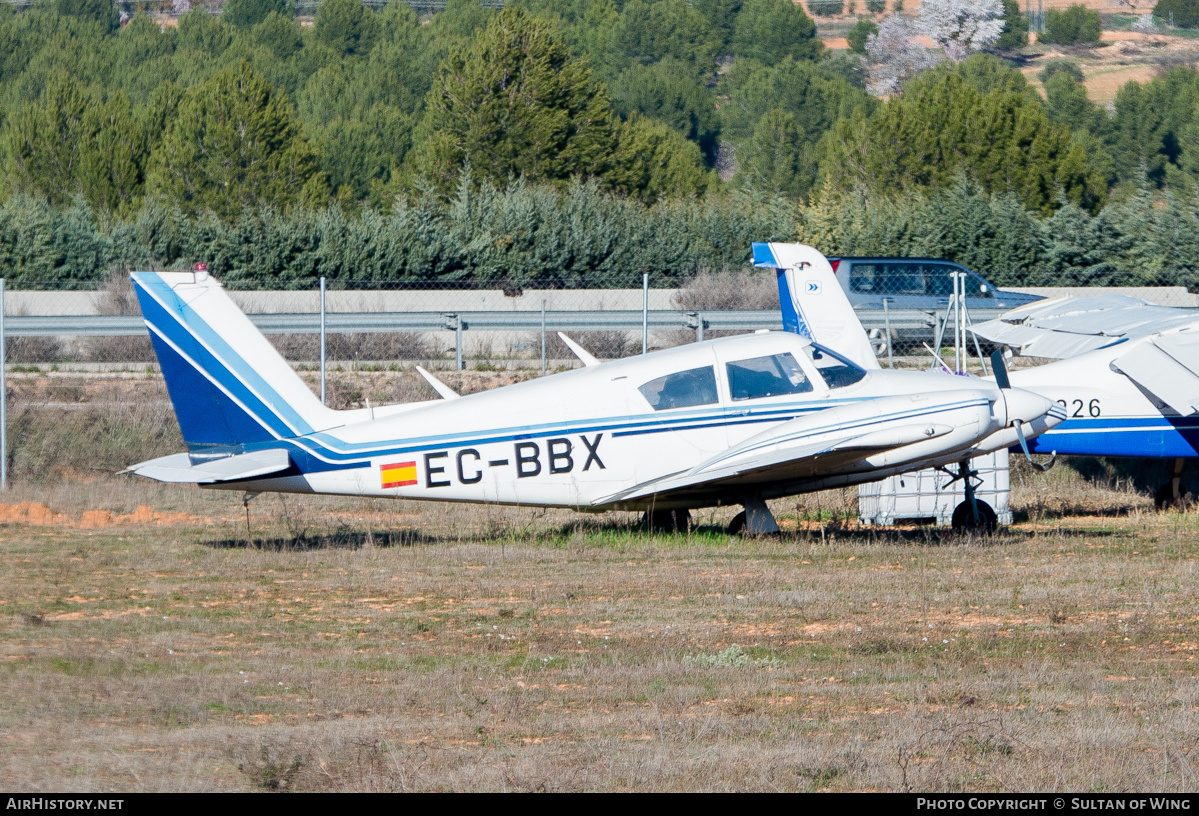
(965, 522)
(1172, 493)
(737, 524)
(668, 521)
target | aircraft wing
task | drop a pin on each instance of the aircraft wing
(1069, 326)
(1167, 367)
(180, 468)
(798, 449)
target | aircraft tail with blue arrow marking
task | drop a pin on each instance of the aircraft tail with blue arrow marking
(228, 384)
(814, 304)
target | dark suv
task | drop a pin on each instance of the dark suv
(918, 283)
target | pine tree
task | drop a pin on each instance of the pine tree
(234, 142)
(771, 30)
(516, 104)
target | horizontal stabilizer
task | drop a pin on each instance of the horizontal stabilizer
(179, 467)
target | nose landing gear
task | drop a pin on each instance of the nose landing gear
(972, 515)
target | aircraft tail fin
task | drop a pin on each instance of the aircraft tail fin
(228, 384)
(813, 302)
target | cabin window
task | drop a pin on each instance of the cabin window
(683, 389)
(766, 377)
(837, 371)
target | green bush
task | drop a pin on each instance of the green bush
(1180, 13)
(826, 8)
(876, 6)
(858, 34)
(1055, 66)
(1077, 25)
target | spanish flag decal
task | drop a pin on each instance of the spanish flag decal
(400, 474)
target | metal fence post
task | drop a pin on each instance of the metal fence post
(887, 329)
(3, 396)
(458, 341)
(323, 340)
(543, 337)
(645, 313)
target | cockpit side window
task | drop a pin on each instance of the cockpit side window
(837, 371)
(683, 389)
(766, 377)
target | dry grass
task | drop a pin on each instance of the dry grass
(364, 645)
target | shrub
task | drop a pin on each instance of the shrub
(1077, 25)
(1180, 13)
(858, 33)
(826, 8)
(1057, 66)
(876, 6)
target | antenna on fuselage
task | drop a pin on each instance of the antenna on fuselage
(441, 388)
(580, 352)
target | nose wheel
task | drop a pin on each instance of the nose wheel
(972, 515)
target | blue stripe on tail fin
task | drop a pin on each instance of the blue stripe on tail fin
(204, 344)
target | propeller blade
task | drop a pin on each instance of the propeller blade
(1019, 426)
(1000, 365)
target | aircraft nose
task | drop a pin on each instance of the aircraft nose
(1032, 408)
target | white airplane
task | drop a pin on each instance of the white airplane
(1127, 376)
(736, 420)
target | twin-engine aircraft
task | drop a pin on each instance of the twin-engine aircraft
(1127, 376)
(732, 421)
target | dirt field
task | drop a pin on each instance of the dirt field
(154, 641)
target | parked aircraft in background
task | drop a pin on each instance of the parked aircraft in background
(1127, 378)
(732, 421)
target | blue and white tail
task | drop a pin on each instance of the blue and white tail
(814, 304)
(229, 385)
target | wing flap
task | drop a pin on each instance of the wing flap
(180, 467)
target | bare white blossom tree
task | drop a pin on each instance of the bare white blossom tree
(181, 6)
(962, 27)
(1145, 24)
(895, 54)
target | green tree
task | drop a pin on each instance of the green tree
(280, 34)
(103, 12)
(650, 30)
(653, 161)
(1077, 25)
(770, 30)
(1066, 102)
(721, 16)
(45, 140)
(1181, 13)
(939, 130)
(247, 13)
(801, 88)
(113, 159)
(346, 26)
(234, 142)
(778, 159)
(858, 33)
(669, 92)
(515, 103)
(1015, 26)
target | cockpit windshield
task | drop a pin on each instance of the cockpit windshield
(836, 370)
(766, 377)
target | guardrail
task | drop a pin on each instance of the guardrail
(379, 322)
